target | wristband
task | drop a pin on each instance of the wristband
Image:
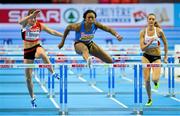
(117, 35)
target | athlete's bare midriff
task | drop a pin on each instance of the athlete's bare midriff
(30, 44)
(153, 51)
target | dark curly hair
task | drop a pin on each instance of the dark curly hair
(89, 11)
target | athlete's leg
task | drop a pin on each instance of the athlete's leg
(98, 52)
(40, 52)
(156, 72)
(28, 75)
(82, 49)
(146, 74)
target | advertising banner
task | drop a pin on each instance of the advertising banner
(128, 15)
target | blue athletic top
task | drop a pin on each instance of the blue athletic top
(84, 36)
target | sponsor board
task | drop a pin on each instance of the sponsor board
(108, 14)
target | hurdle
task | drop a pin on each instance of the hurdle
(63, 100)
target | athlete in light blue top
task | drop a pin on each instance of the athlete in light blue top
(84, 35)
(150, 45)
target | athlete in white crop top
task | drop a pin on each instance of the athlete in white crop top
(30, 31)
(150, 45)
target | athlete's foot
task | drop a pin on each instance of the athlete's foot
(55, 75)
(89, 62)
(33, 103)
(149, 103)
(156, 86)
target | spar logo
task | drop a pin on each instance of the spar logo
(45, 16)
(71, 15)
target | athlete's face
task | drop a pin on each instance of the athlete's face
(32, 21)
(151, 20)
(90, 18)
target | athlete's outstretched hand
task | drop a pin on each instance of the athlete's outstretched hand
(60, 45)
(165, 59)
(119, 37)
(35, 13)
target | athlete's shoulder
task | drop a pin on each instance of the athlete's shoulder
(97, 23)
(159, 29)
(142, 31)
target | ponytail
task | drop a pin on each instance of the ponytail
(156, 24)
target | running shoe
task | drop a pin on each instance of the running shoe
(156, 86)
(55, 75)
(33, 103)
(149, 103)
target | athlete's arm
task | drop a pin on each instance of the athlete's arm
(143, 46)
(71, 27)
(24, 20)
(163, 37)
(108, 29)
(50, 31)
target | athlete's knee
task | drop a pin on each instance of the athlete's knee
(85, 51)
(155, 79)
(147, 83)
(28, 79)
(108, 60)
(28, 73)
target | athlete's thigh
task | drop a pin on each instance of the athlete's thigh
(40, 52)
(28, 71)
(156, 71)
(80, 48)
(146, 71)
(98, 52)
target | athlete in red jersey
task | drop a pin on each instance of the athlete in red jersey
(31, 29)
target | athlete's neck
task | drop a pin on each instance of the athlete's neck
(150, 28)
(87, 26)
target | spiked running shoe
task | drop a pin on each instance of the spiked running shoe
(149, 103)
(33, 103)
(55, 75)
(156, 86)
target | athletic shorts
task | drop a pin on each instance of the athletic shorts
(30, 52)
(151, 58)
(87, 44)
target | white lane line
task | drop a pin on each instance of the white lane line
(118, 102)
(82, 79)
(154, 90)
(46, 91)
(98, 89)
(127, 79)
(101, 91)
(175, 99)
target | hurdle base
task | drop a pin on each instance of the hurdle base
(168, 95)
(137, 112)
(48, 95)
(63, 113)
(113, 95)
(173, 95)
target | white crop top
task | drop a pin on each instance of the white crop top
(155, 43)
